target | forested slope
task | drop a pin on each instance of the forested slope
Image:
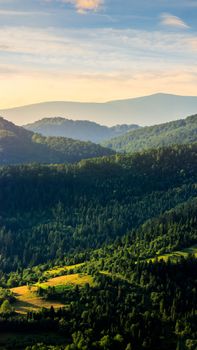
(70, 209)
(83, 130)
(19, 146)
(178, 132)
(112, 215)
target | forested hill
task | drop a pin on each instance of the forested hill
(177, 132)
(69, 209)
(18, 145)
(83, 130)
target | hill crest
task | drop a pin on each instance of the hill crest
(83, 130)
(178, 132)
(19, 146)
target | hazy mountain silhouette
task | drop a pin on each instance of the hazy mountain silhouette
(80, 129)
(148, 110)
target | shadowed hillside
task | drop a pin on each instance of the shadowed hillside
(83, 130)
(18, 145)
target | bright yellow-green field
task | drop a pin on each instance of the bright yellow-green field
(56, 270)
(174, 256)
(27, 299)
(68, 280)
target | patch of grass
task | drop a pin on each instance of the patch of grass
(191, 250)
(27, 299)
(62, 288)
(176, 255)
(72, 280)
(58, 270)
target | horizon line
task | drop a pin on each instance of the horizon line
(94, 102)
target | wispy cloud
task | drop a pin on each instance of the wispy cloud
(100, 44)
(21, 13)
(173, 21)
(99, 64)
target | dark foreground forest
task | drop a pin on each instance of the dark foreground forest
(126, 223)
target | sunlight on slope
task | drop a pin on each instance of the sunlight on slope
(28, 300)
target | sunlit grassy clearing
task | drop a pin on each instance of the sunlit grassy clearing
(57, 269)
(174, 256)
(28, 300)
(72, 280)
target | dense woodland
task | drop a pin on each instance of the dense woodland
(172, 133)
(152, 308)
(114, 214)
(20, 146)
(74, 208)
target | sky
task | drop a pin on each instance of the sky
(96, 50)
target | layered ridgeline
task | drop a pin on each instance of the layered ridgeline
(177, 132)
(18, 145)
(83, 130)
(146, 110)
(74, 208)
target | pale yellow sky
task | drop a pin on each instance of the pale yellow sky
(17, 90)
(47, 60)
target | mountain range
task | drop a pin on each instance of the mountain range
(18, 145)
(83, 130)
(147, 110)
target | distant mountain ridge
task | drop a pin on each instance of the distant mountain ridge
(83, 130)
(19, 146)
(148, 110)
(183, 131)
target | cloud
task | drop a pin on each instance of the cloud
(101, 49)
(100, 64)
(173, 21)
(87, 5)
(82, 6)
(21, 13)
